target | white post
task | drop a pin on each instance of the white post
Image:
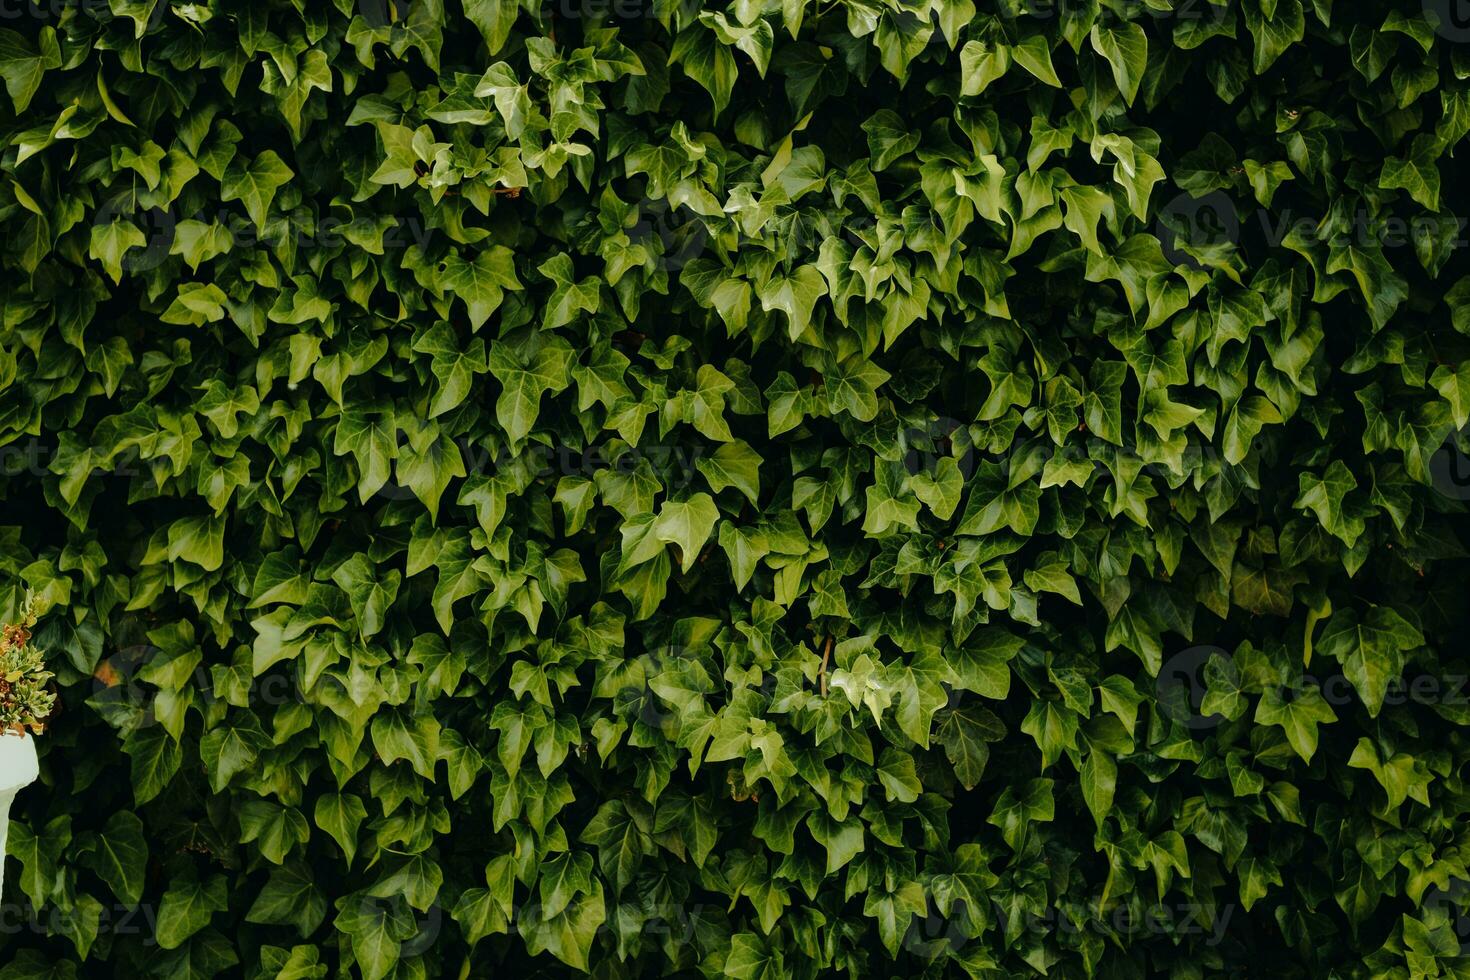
(18, 769)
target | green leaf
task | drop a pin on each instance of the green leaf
(733, 464)
(255, 185)
(481, 282)
(120, 856)
(699, 52)
(494, 18)
(291, 897)
(1126, 49)
(187, 907)
(22, 65)
(794, 294)
(852, 387)
(1370, 648)
(1326, 496)
(964, 733)
(686, 524)
(412, 738)
(1298, 712)
(527, 367)
(340, 815)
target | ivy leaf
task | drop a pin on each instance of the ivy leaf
(340, 815)
(795, 295)
(1370, 648)
(853, 387)
(481, 282)
(1020, 806)
(568, 297)
(687, 524)
(1298, 713)
(111, 241)
(1418, 174)
(733, 464)
(1126, 49)
(964, 733)
(698, 51)
(1054, 727)
(527, 366)
(1326, 497)
(413, 738)
(1099, 776)
(120, 856)
(187, 907)
(494, 18)
(22, 66)
(255, 185)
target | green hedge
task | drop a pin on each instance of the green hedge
(813, 487)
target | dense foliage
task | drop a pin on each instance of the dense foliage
(783, 488)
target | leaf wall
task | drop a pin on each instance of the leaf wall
(782, 489)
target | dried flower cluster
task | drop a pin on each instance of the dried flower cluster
(25, 701)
